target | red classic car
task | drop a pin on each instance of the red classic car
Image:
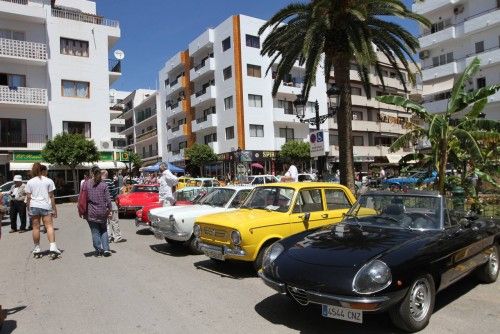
(137, 198)
(184, 196)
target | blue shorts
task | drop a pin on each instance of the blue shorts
(39, 212)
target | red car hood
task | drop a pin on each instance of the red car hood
(137, 199)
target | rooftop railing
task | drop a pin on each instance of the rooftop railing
(84, 17)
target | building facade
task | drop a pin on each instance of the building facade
(461, 30)
(54, 75)
(116, 123)
(141, 125)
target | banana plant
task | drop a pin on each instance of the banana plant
(445, 130)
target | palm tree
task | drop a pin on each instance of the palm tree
(445, 132)
(337, 33)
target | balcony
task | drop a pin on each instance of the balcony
(203, 123)
(427, 6)
(18, 141)
(203, 95)
(146, 135)
(431, 73)
(23, 52)
(149, 154)
(363, 101)
(176, 132)
(438, 37)
(205, 67)
(84, 17)
(214, 146)
(175, 155)
(436, 106)
(117, 121)
(24, 10)
(175, 108)
(487, 57)
(282, 115)
(115, 70)
(291, 88)
(34, 97)
(481, 21)
(203, 42)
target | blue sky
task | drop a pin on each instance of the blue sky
(154, 30)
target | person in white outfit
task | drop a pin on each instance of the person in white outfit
(167, 181)
(292, 174)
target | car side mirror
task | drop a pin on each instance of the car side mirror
(465, 223)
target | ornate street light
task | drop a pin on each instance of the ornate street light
(317, 120)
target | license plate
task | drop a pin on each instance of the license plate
(342, 313)
(214, 253)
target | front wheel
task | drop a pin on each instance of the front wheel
(488, 272)
(412, 314)
(257, 264)
(193, 246)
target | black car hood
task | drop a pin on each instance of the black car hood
(347, 245)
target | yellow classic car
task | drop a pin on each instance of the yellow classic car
(183, 181)
(270, 213)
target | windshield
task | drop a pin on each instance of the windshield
(270, 198)
(144, 189)
(218, 197)
(187, 195)
(397, 211)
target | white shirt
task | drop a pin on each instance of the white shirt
(293, 173)
(39, 189)
(382, 174)
(167, 181)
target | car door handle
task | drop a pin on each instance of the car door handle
(325, 215)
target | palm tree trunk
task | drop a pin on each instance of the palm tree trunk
(443, 160)
(341, 67)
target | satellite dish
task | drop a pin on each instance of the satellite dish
(119, 54)
(112, 92)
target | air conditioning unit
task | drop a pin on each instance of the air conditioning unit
(458, 9)
(106, 144)
(424, 54)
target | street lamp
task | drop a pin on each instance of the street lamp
(129, 151)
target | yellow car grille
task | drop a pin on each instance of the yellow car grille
(214, 233)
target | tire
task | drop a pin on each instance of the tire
(193, 246)
(257, 264)
(488, 272)
(412, 314)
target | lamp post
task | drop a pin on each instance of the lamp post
(129, 151)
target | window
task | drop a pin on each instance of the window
(334, 140)
(255, 101)
(12, 80)
(169, 147)
(167, 83)
(13, 132)
(256, 130)
(182, 145)
(254, 71)
(144, 151)
(227, 73)
(226, 44)
(228, 103)
(309, 201)
(442, 59)
(74, 47)
(81, 128)
(438, 26)
(230, 132)
(12, 34)
(287, 133)
(211, 138)
(240, 198)
(287, 106)
(253, 41)
(356, 91)
(358, 140)
(336, 199)
(481, 82)
(75, 89)
(480, 47)
(357, 115)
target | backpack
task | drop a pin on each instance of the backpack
(83, 201)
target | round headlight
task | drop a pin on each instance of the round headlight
(372, 277)
(196, 230)
(236, 238)
(171, 219)
(272, 254)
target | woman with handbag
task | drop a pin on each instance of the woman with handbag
(96, 210)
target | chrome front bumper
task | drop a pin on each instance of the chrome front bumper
(223, 250)
(140, 223)
(365, 303)
(170, 232)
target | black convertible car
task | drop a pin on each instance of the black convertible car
(392, 252)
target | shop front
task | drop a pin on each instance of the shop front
(246, 162)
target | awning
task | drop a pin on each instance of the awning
(394, 158)
(26, 166)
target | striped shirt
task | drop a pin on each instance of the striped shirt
(113, 189)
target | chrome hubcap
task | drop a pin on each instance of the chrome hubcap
(420, 299)
(493, 262)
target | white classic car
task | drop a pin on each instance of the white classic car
(175, 223)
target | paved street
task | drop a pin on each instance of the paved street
(149, 287)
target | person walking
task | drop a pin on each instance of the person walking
(167, 181)
(292, 174)
(42, 207)
(98, 211)
(113, 226)
(17, 195)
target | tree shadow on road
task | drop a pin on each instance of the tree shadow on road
(280, 310)
(234, 270)
(170, 249)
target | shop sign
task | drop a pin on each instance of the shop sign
(124, 156)
(106, 156)
(269, 154)
(35, 156)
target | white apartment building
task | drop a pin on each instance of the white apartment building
(141, 125)
(217, 92)
(54, 75)
(461, 30)
(116, 123)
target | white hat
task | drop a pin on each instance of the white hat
(18, 178)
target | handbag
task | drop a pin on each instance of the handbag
(83, 201)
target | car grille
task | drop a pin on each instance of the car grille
(214, 232)
(299, 295)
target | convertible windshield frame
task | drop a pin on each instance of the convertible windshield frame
(387, 210)
(272, 206)
(144, 189)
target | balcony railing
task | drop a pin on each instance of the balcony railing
(115, 65)
(23, 95)
(19, 2)
(23, 49)
(83, 17)
(147, 135)
(34, 141)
